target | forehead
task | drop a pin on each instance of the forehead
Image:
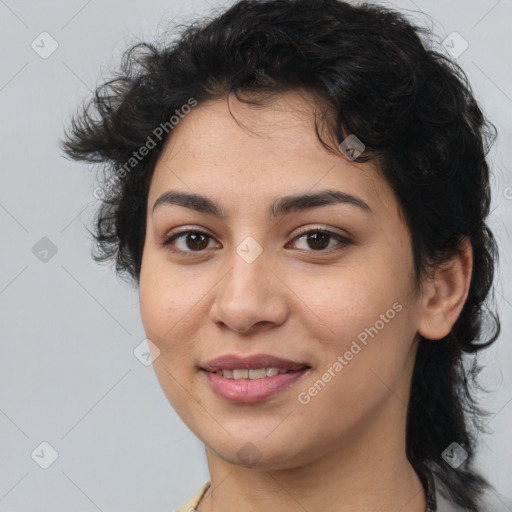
(259, 153)
(279, 123)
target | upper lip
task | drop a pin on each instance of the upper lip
(232, 361)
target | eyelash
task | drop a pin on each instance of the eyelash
(343, 241)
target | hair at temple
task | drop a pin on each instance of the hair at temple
(375, 76)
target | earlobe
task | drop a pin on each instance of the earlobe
(445, 293)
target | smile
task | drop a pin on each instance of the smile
(244, 373)
(241, 387)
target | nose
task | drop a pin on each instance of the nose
(250, 296)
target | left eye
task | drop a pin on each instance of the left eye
(196, 241)
(319, 239)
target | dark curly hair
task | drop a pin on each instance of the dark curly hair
(377, 78)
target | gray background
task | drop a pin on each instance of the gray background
(68, 374)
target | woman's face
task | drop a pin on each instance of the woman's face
(339, 303)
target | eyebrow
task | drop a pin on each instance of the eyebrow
(279, 208)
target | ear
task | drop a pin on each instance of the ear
(445, 292)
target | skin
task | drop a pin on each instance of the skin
(345, 449)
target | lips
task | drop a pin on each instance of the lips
(241, 379)
(258, 361)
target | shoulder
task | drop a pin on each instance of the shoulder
(491, 501)
(191, 504)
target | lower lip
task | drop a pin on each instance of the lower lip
(252, 390)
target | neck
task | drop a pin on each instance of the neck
(368, 470)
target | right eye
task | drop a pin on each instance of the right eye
(191, 241)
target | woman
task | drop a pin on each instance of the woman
(299, 189)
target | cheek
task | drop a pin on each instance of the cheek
(172, 305)
(165, 295)
(160, 304)
(350, 297)
(366, 318)
(155, 309)
(165, 309)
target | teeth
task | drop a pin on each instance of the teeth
(257, 373)
(240, 374)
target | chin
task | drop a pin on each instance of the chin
(257, 454)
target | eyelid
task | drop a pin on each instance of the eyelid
(322, 229)
(343, 240)
(168, 239)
